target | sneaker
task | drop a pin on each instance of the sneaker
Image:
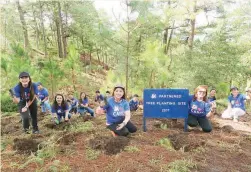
(36, 132)
(190, 128)
(26, 131)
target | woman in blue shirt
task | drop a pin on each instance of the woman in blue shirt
(236, 105)
(200, 109)
(60, 108)
(118, 113)
(25, 93)
(83, 105)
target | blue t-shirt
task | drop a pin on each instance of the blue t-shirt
(99, 98)
(211, 99)
(198, 108)
(17, 91)
(238, 101)
(42, 94)
(74, 102)
(115, 111)
(60, 111)
(84, 102)
(133, 105)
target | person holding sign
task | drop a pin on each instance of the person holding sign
(236, 105)
(199, 109)
(25, 93)
(60, 109)
(117, 113)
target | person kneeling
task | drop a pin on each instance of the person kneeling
(236, 105)
(118, 113)
(60, 109)
(199, 109)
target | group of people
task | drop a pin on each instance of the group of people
(28, 95)
(115, 106)
(202, 107)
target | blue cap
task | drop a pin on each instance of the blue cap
(24, 74)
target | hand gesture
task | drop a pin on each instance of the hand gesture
(24, 109)
(120, 126)
(213, 105)
(100, 111)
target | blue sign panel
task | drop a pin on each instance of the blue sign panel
(165, 103)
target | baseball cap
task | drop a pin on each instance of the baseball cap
(233, 88)
(119, 86)
(39, 83)
(24, 74)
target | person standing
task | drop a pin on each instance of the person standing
(25, 93)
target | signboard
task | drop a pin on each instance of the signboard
(165, 103)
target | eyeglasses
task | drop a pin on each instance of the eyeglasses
(202, 92)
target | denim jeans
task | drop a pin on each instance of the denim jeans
(45, 106)
(82, 110)
(73, 109)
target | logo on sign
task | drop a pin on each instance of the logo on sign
(154, 96)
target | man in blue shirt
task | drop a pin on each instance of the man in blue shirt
(73, 103)
(134, 103)
(107, 96)
(99, 97)
(43, 97)
(236, 105)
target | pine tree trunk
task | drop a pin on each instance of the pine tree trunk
(43, 30)
(59, 40)
(191, 37)
(24, 26)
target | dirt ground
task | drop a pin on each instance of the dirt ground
(76, 146)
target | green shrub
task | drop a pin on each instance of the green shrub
(166, 143)
(7, 105)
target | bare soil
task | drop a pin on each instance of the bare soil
(226, 149)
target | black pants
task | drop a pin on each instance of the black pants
(32, 111)
(204, 123)
(129, 128)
